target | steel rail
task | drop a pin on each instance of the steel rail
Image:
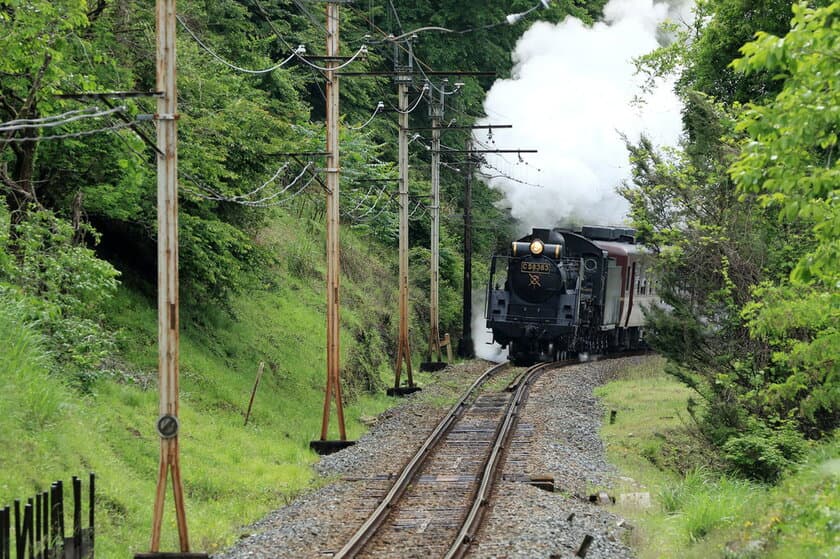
(359, 539)
(473, 520)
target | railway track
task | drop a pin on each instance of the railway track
(435, 506)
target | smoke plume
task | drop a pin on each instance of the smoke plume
(571, 97)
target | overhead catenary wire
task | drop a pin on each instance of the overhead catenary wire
(362, 50)
(49, 118)
(416, 103)
(396, 15)
(262, 187)
(271, 24)
(357, 217)
(118, 126)
(363, 218)
(265, 202)
(362, 199)
(230, 64)
(57, 120)
(379, 106)
(242, 199)
(216, 196)
(310, 15)
(508, 177)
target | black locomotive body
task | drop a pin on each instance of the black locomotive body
(559, 291)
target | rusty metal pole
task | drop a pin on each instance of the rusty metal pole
(403, 348)
(333, 177)
(465, 346)
(436, 112)
(167, 203)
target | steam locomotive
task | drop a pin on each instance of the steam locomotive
(560, 292)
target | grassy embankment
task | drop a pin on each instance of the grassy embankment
(232, 474)
(697, 511)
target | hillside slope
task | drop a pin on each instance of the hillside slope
(232, 473)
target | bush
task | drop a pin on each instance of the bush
(763, 453)
(702, 502)
(58, 287)
(50, 265)
(217, 260)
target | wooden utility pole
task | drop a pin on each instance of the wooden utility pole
(403, 79)
(436, 112)
(333, 389)
(465, 347)
(167, 269)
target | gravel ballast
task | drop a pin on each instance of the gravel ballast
(557, 438)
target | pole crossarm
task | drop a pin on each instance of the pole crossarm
(392, 73)
(475, 127)
(107, 94)
(489, 151)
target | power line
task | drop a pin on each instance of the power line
(118, 126)
(396, 15)
(362, 50)
(310, 15)
(57, 120)
(229, 64)
(379, 106)
(416, 103)
(273, 27)
(267, 201)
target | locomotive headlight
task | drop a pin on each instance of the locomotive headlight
(537, 247)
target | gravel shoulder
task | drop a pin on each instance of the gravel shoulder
(557, 437)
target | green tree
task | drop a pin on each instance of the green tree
(746, 242)
(788, 160)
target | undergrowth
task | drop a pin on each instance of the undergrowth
(700, 509)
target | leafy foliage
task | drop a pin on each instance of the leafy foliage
(59, 288)
(745, 222)
(763, 453)
(788, 161)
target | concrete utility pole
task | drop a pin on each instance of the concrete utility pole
(436, 112)
(333, 178)
(167, 268)
(403, 79)
(465, 346)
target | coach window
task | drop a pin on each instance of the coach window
(641, 284)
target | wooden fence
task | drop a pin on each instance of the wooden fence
(39, 526)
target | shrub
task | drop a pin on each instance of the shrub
(50, 265)
(59, 287)
(763, 453)
(217, 260)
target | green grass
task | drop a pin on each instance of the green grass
(697, 510)
(232, 474)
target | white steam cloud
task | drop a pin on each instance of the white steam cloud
(571, 97)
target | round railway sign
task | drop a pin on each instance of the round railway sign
(167, 426)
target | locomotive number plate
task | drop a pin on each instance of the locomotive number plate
(535, 267)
